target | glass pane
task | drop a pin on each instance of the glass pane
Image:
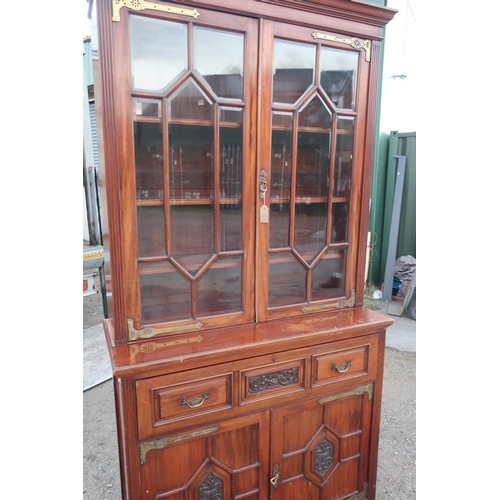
(328, 279)
(281, 168)
(218, 56)
(293, 69)
(230, 219)
(158, 52)
(165, 296)
(279, 225)
(190, 102)
(340, 212)
(313, 164)
(219, 290)
(148, 147)
(234, 115)
(231, 152)
(310, 229)
(287, 280)
(147, 107)
(343, 157)
(281, 157)
(191, 165)
(151, 231)
(339, 69)
(192, 235)
(315, 114)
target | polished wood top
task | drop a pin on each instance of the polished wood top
(196, 349)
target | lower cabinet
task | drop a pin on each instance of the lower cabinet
(292, 425)
(315, 450)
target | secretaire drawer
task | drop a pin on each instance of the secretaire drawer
(162, 400)
(352, 359)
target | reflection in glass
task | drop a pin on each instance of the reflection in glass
(219, 289)
(281, 158)
(234, 115)
(191, 162)
(151, 231)
(192, 233)
(231, 157)
(313, 164)
(191, 103)
(147, 107)
(315, 114)
(148, 149)
(340, 212)
(230, 220)
(338, 76)
(165, 296)
(158, 52)
(279, 225)
(218, 56)
(287, 280)
(310, 229)
(343, 157)
(293, 70)
(328, 278)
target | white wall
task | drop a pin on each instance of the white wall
(398, 105)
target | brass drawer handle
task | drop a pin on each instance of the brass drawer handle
(276, 475)
(196, 402)
(342, 368)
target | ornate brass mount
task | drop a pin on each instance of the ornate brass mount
(276, 475)
(147, 333)
(159, 444)
(196, 402)
(355, 392)
(142, 5)
(357, 43)
(336, 305)
(342, 368)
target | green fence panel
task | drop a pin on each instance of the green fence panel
(384, 181)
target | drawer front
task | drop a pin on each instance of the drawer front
(273, 380)
(355, 359)
(162, 400)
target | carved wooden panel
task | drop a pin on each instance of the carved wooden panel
(272, 380)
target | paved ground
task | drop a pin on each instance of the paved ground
(397, 450)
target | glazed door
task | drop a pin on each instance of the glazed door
(320, 449)
(309, 170)
(188, 173)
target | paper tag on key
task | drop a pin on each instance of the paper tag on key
(264, 214)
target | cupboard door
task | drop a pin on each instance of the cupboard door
(188, 173)
(320, 450)
(222, 461)
(311, 160)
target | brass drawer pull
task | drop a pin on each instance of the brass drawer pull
(342, 368)
(196, 402)
(276, 475)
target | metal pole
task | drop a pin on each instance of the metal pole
(393, 236)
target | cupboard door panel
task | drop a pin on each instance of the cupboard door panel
(321, 448)
(226, 460)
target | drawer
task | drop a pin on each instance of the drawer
(166, 399)
(354, 359)
(272, 380)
